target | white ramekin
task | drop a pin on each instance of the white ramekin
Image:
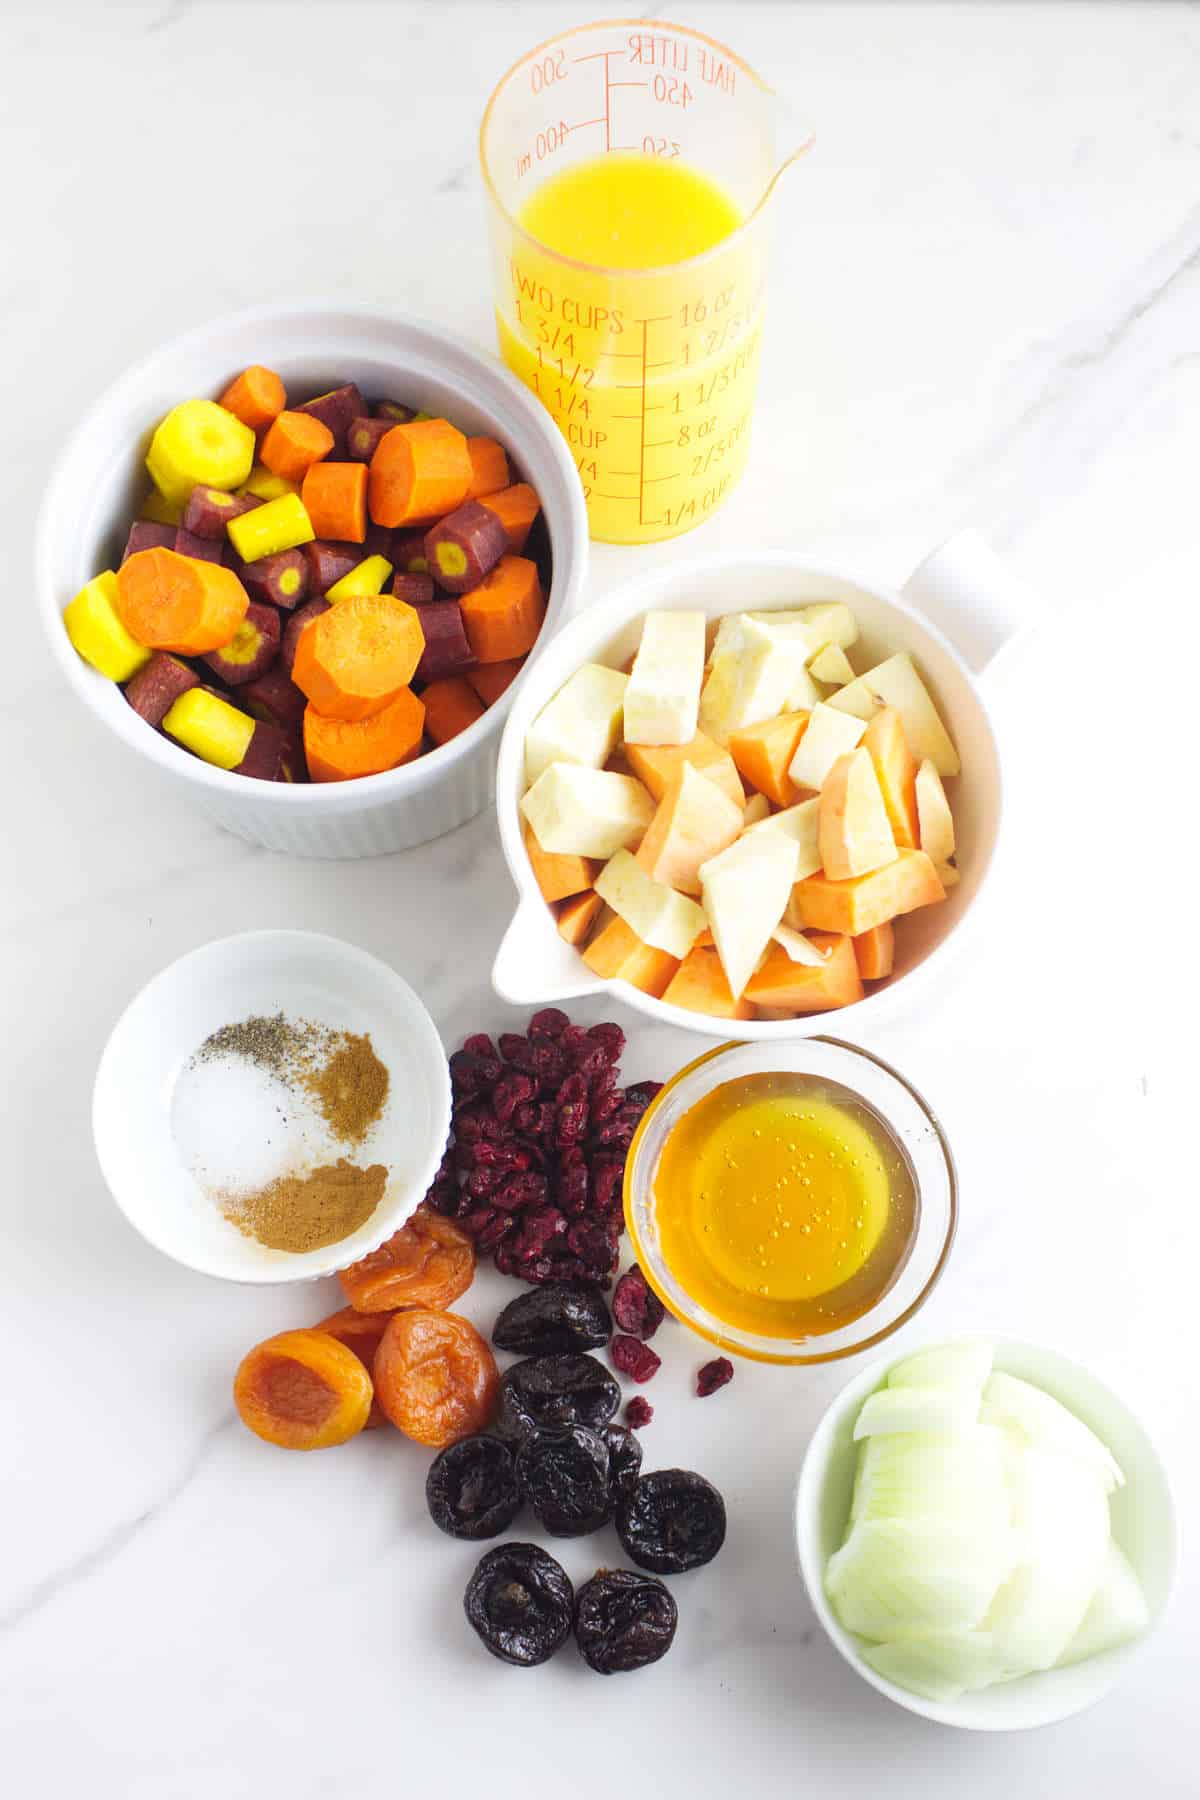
(99, 480)
(962, 586)
(1143, 1522)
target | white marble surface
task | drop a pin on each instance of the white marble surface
(985, 310)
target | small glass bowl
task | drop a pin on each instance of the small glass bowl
(909, 1117)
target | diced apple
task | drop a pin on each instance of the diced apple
(657, 765)
(855, 836)
(794, 987)
(829, 734)
(798, 947)
(576, 917)
(745, 891)
(700, 985)
(896, 771)
(802, 824)
(582, 724)
(763, 754)
(803, 694)
(695, 820)
(662, 700)
(935, 819)
(897, 683)
(558, 876)
(826, 622)
(616, 953)
(832, 665)
(854, 906)
(753, 671)
(661, 917)
(948, 875)
(875, 951)
(758, 808)
(587, 812)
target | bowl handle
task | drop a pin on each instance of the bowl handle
(534, 966)
(966, 591)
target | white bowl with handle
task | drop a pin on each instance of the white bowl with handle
(1143, 1524)
(952, 615)
(100, 479)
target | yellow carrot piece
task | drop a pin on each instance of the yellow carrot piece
(94, 627)
(265, 486)
(199, 444)
(279, 525)
(161, 511)
(367, 577)
(210, 728)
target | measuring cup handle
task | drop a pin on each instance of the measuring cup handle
(534, 966)
(965, 589)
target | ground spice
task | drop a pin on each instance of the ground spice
(309, 1211)
(281, 1046)
(350, 1088)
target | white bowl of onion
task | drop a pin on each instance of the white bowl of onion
(922, 1642)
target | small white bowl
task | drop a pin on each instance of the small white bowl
(1143, 1517)
(100, 479)
(962, 585)
(307, 976)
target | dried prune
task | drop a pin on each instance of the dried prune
(564, 1475)
(428, 1262)
(556, 1391)
(471, 1488)
(623, 1621)
(671, 1521)
(552, 1319)
(435, 1377)
(636, 1307)
(633, 1358)
(638, 1412)
(521, 1604)
(624, 1457)
(713, 1375)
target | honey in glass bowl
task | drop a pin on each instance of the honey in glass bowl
(785, 1205)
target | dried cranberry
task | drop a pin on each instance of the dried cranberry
(607, 1174)
(509, 1093)
(633, 1358)
(523, 1117)
(540, 1225)
(464, 1074)
(713, 1375)
(636, 1307)
(589, 1060)
(516, 1050)
(638, 1412)
(596, 1243)
(479, 1045)
(505, 1261)
(526, 1188)
(550, 1022)
(478, 1219)
(570, 1127)
(480, 1183)
(573, 1089)
(642, 1093)
(611, 1036)
(603, 1106)
(571, 1036)
(495, 1232)
(573, 1190)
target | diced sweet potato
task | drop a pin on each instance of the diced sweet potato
(576, 917)
(416, 590)
(694, 820)
(337, 410)
(896, 772)
(875, 951)
(701, 985)
(763, 755)
(210, 509)
(616, 953)
(153, 691)
(279, 580)
(251, 650)
(328, 563)
(294, 629)
(275, 698)
(451, 707)
(656, 765)
(490, 680)
(464, 547)
(855, 906)
(558, 875)
(145, 534)
(795, 987)
(446, 651)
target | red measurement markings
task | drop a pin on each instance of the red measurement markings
(606, 119)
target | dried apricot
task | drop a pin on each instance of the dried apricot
(302, 1390)
(361, 1333)
(430, 1261)
(435, 1376)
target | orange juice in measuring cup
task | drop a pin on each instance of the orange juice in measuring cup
(629, 166)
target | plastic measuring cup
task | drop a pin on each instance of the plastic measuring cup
(649, 373)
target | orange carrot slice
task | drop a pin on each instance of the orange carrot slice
(256, 397)
(293, 444)
(344, 749)
(489, 467)
(354, 659)
(450, 706)
(516, 508)
(419, 473)
(334, 495)
(491, 680)
(172, 602)
(504, 614)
